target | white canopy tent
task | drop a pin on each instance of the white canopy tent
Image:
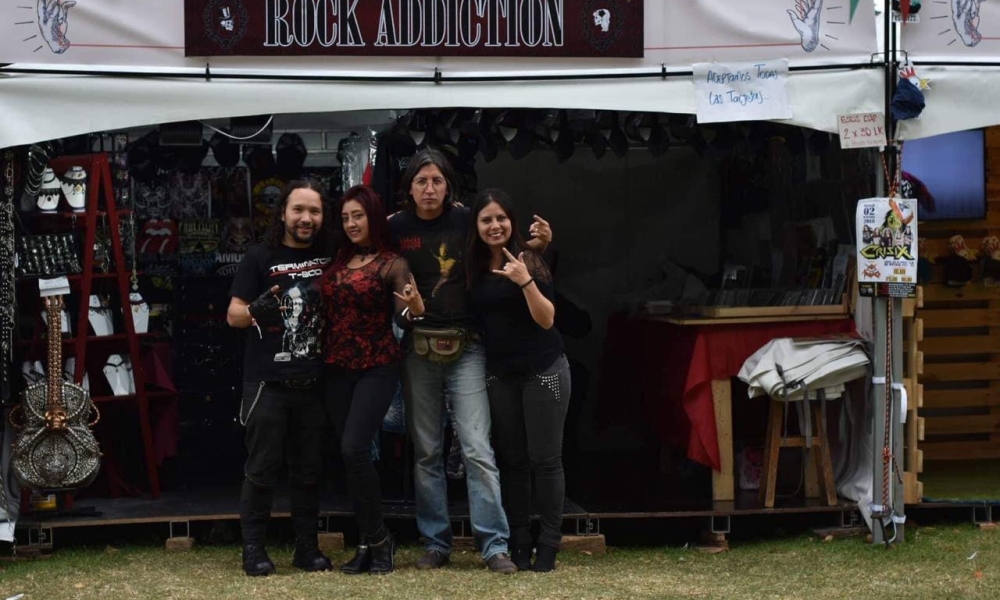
(103, 40)
(39, 106)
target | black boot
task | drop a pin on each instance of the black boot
(382, 559)
(305, 517)
(308, 557)
(545, 559)
(521, 555)
(362, 561)
(256, 562)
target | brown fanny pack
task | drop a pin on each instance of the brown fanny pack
(440, 345)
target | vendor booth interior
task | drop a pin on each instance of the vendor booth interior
(660, 224)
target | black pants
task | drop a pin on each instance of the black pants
(356, 402)
(284, 426)
(528, 413)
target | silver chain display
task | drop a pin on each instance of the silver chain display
(7, 309)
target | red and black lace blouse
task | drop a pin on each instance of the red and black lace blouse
(360, 305)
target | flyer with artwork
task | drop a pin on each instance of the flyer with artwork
(887, 247)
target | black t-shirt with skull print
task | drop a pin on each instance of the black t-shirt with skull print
(291, 350)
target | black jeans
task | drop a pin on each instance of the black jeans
(356, 402)
(528, 413)
(284, 426)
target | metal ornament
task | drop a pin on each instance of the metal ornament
(55, 448)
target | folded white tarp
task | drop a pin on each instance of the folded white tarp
(789, 368)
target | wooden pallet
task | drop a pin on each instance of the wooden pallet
(913, 460)
(961, 339)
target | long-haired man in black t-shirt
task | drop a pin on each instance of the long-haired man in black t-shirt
(431, 233)
(274, 293)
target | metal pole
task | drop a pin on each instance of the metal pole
(878, 395)
(899, 415)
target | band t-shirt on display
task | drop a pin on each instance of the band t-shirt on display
(291, 350)
(435, 252)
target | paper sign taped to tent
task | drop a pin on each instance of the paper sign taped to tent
(887, 247)
(744, 91)
(861, 130)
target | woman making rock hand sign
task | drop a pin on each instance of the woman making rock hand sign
(527, 374)
(362, 358)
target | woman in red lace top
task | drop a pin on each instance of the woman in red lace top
(366, 287)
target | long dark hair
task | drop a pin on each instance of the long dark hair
(428, 156)
(276, 233)
(477, 254)
(378, 228)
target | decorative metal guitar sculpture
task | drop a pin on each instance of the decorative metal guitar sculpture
(55, 448)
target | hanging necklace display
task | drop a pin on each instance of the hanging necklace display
(118, 372)
(37, 161)
(7, 295)
(140, 310)
(55, 448)
(99, 316)
(48, 194)
(102, 246)
(74, 187)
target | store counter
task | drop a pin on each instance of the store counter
(677, 372)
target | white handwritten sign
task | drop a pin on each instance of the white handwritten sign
(861, 130)
(747, 91)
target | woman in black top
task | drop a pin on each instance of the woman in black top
(527, 374)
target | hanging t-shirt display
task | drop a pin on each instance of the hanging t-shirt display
(152, 198)
(230, 188)
(264, 197)
(237, 235)
(199, 243)
(291, 350)
(190, 194)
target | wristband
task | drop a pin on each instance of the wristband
(527, 283)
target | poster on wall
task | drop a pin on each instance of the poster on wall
(424, 34)
(959, 29)
(887, 247)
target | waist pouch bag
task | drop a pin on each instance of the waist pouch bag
(442, 346)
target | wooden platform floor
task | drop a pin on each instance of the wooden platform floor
(217, 505)
(222, 504)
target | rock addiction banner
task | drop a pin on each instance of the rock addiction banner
(536, 28)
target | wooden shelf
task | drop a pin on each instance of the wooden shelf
(96, 339)
(151, 395)
(73, 276)
(69, 214)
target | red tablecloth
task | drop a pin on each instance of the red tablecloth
(666, 371)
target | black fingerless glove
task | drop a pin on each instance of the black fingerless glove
(266, 309)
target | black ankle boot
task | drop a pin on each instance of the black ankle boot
(256, 562)
(382, 555)
(521, 555)
(545, 559)
(308, 558)
(362, 561)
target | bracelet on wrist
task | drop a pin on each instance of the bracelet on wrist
(527, 283)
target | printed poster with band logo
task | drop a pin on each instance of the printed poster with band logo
(887, 247)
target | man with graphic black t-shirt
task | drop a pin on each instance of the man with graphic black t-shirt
(275, 295)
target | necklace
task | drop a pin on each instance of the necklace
(365, 251)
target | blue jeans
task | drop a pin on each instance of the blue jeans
(424, 385)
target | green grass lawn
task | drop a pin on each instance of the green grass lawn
(961, 480)
(951, 561)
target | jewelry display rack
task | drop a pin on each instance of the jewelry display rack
(101, 205)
